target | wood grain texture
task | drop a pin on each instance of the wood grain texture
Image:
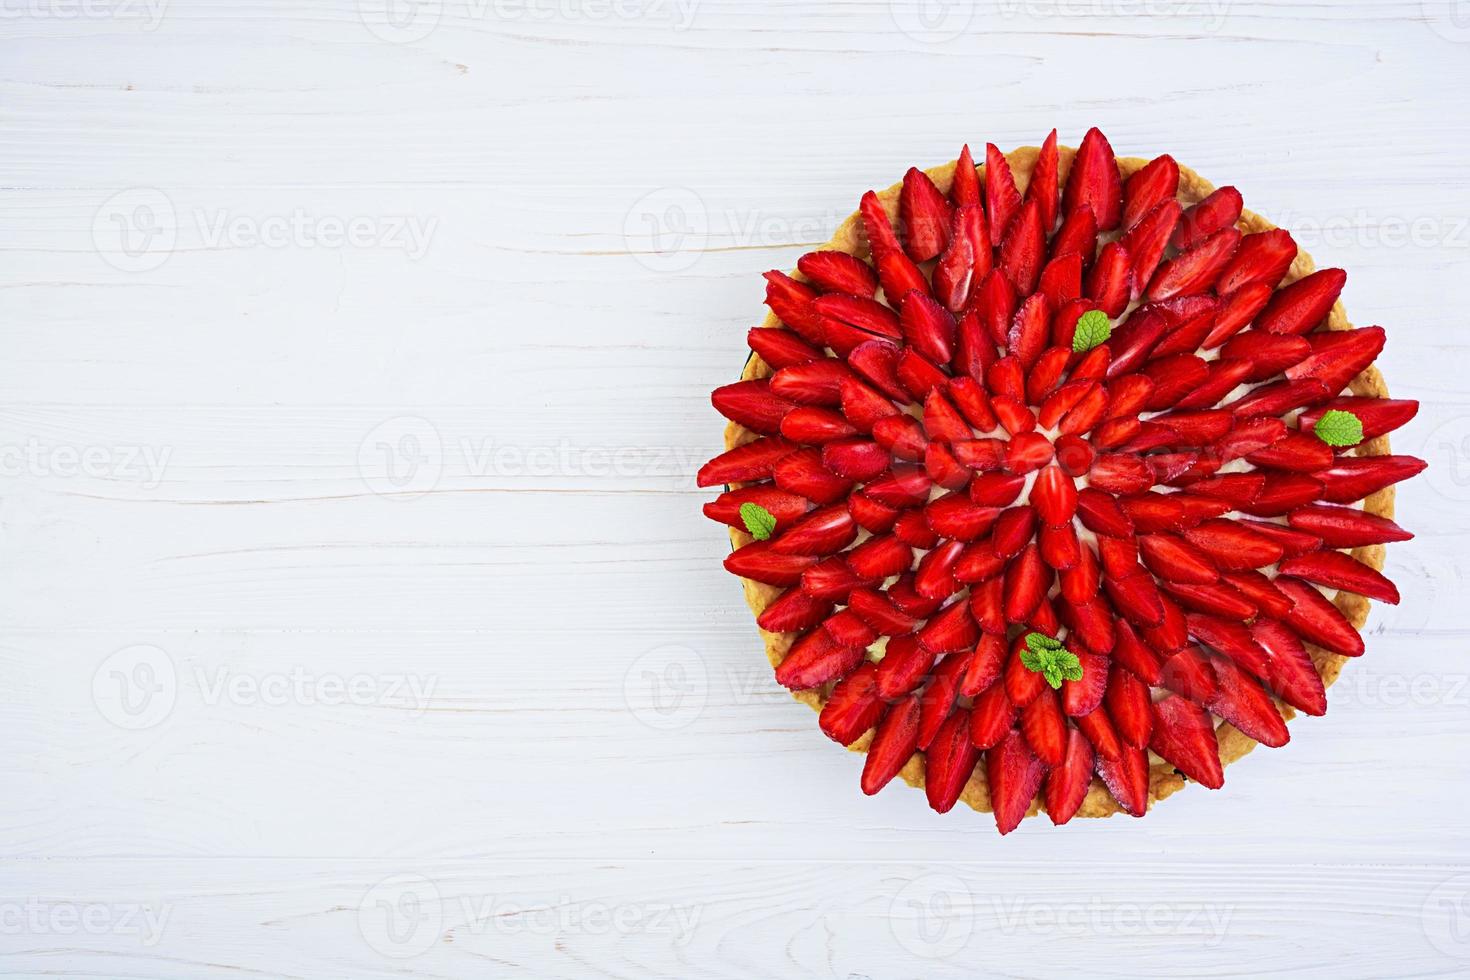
(398, 525)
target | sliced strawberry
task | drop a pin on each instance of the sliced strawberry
(752, 461)
(1146, 242)
(1221, 209)
(877, 362)
(814, 660)
(792, 301)
(1044, 188)
(1263, 257)
(1241, 702)
(838, 272)
(996, 489)
(1023, 249)
(785, 507)
(802, 472)
(1067, 785)
(853, 708)
(991, 717)
(1292, 541)
(1231, 545)
(878, 558)
(1229, 638)
(905, 665)
(856, 459)
(822, 532)
(1277, 399)
(995, 304)
(1189, 673)
(965, 261)
(1127, 778)
(1094, 182)
(780, 348)
(934, 578)
(1082, 697)
(949, 761)
(1379, 416)
(1156, 183)
(1130, 653)
(1338, 356)
(1028, 334)
(1174, 559)
(814, 426)
(1002, 200)
(1091, 622)
(1129, 707)
(1293, 677)
(1216, 598)
(893, 745)
(1110, 283)
(812, 383)
(1354, 478)
(918, 374)
(936, 701)
(1337, 570)
(1077, 235)
(924, 216)
(1317, 620)
(1098, 728)
(1013, 529)
(973, 403)
(870, 515)
(1346, 527)
(1184, 736)
(1259, 590)
(1173, 378)
(1298, 308)
(793, 611)
(752, 404)
(1045, 728)
(1026, 582)
(1014, 774)
(928, 328)
(1196, 270)
(957, 517)
(1237, 310)
(1100, 512)
(952, 629)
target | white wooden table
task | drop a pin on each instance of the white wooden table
(357, 618)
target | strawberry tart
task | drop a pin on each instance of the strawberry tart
(1058, 482)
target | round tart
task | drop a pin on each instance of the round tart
(1058, 482)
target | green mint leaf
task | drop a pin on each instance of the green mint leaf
(1092, 330)
(1054, 676)
(1031, 660)
(1072, 671)
(1339, 428)
(1040, 641)
(760, 522)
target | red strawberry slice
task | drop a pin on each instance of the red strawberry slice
(877, 362)
(918, 374)
(1083, 697)
(1067, 785)
(838, 272)
(1341, 571)
(1264, 257)
(1076, 236)
(1190, 674)
(1271, 353)
(793, 611)
(973, 403)
(1293, 677)
(1022, 684)
(1100, 512)
(780, 348)
(1127, 778)
(1241, 702)
(949, 761)
(996, 489)
(814, 660)
(820, 533)
(1277, 399)
(784, 507)
(1346, 527)
(870, 515)
(1136, 596)
(1283, 492)
(863, 405)
(1135, 338)
(1354, 478)
(853, 708)
(955, 516)
(1231, 545)
(995, 303)
(924, 216)
(1258, 589)
(1110, 283)
(965, 189)
(1146, 242)
(936, 700)
(1014, 774)
(1054, 496)
(848, 629)
(752, 404)
(1026, 581)
(1298, 308)
(1028, 334)
(1173, 378)
(1155, 183)
(1317, 620)
(934, 578)
(1292, 542)
(811, 383)
(792, 302)
(1196, 270)
(1023, 249)
(856, 459)
(1298, 452)
(1044, 188)
(1129, 707)
(1237, 310)
(830, 579)
(867, 315)
(1378, 415)
(906, 663)
(966, 261)
(1002, 200)
(753, 461)
(893, 745)
(814, 426)
(1130, 653)
(1237, 489)
(952, 629)
(876, 610)
(1013, 529)
(985, 665)
(1184, 736)
(1028, 452)
(1190, 319)
(1045, 728)
(1100, 733)
(802, 473)
(1229, 638)
(1173, 559)
(1217, 599)
(1338, 356)
(928, 328)
(1046, 374)
(991, 717)
(1095, 182)
(878, 558)
(1091, 622)
(1221, 209)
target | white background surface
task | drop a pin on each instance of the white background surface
(445, 484)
